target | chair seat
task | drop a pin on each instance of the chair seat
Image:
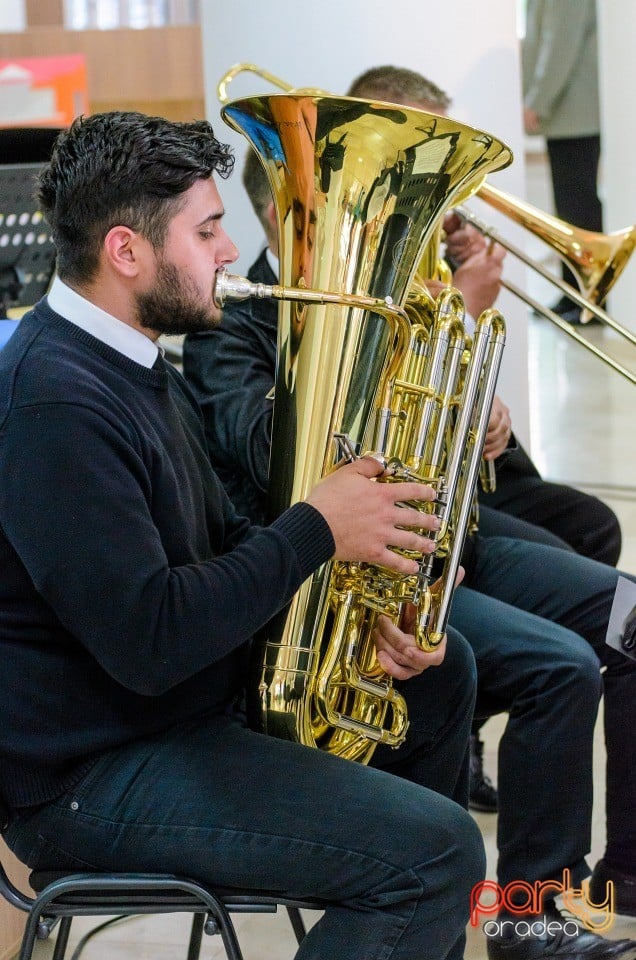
(236, 900)
(60, 896)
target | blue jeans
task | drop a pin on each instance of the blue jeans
(536, 618)
(213, 800)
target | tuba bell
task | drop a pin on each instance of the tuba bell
(359, 190)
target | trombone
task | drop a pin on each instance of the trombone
(595, 259)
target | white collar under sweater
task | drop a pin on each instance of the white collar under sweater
(111, 331)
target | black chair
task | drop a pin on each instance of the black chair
(61, 896)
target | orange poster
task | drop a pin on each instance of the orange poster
(42, 91)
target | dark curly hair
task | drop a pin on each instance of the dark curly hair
(121, 168)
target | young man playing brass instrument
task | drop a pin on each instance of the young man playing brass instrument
(131, 588)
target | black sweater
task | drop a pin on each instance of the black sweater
(231, 370)
(129, 585)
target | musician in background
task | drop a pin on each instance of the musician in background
(522, 505)
(565, 516)
(535, 615)
(130, 589)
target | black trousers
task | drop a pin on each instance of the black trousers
(395, 859)
(527, 507)
(574, 169)
(536, 618)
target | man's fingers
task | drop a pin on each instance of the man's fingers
(369, 467)
(408, 662)
(394, 669)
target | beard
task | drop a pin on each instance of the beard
(172, 305)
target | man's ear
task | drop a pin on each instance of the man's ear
(124, 250)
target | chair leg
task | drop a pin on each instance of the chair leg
(297, 922)
(61, 941)
(218, 920)
(196, 936)
(29, 937)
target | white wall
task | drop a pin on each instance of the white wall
(617, 43)
(473, 56)
(12, 16)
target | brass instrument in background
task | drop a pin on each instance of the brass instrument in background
(596, 260)
(359, 190)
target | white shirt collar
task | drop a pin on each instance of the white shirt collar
(111, 331)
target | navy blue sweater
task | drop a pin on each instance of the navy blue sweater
(128, 585)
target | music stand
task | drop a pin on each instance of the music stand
(27, 254)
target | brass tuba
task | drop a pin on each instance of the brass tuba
(359, 190)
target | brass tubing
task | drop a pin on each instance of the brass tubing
(571, 292)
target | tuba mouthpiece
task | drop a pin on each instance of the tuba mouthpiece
(230, 286)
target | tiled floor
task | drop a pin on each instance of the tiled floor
(583, 433)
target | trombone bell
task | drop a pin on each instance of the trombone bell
(596, 260)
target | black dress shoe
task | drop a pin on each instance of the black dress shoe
(624, 888)
(561, 937)
(482, 795)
